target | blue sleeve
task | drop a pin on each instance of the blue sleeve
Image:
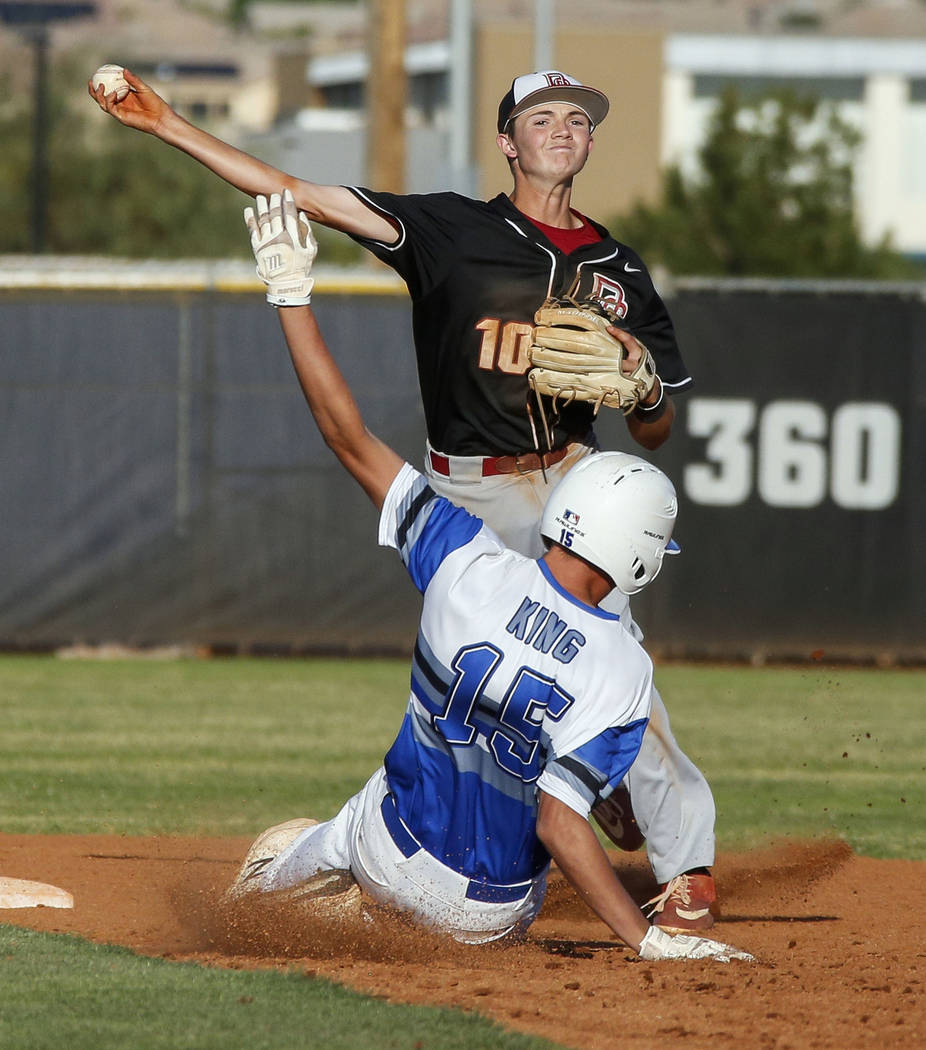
(595, 769)
(428, 528)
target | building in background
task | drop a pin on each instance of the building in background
(663, 87)
(878, 85)
(289, 83)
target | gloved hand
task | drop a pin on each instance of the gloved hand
(657, 944)
(284, 247)
(576, 358)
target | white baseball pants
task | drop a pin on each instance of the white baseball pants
(368, 838)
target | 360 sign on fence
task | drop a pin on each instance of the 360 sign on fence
(794, 453)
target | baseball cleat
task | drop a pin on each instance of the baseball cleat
(683, 906)
(328, 895)
(264, 850)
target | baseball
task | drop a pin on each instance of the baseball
(111, 78)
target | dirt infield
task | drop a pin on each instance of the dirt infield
(840, 942)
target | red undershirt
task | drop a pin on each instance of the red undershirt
(568, 240)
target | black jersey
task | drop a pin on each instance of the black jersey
(476, 272)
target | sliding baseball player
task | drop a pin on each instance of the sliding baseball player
(528, 700)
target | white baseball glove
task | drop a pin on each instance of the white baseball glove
(657, 944)
(284, 247)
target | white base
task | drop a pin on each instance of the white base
(21, 893)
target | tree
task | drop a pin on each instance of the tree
(773, 197)
(113, 191)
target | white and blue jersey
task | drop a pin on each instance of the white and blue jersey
(516, 685)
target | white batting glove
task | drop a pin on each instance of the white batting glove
(284, 247)
(657, 944)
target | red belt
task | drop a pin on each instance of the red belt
(492, 465)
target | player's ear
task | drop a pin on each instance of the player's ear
(507, 147)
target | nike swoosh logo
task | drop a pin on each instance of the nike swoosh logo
(631, 269)
(691, 915)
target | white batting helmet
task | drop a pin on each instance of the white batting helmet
(615, 511)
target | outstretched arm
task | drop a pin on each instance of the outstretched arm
(285, 249)
(369, 460)
(334, 206)
(574, 846)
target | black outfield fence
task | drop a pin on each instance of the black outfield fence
(162, 482)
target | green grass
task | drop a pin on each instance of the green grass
(229, 747)
(62, 992)
(806, 752)
(224, 747)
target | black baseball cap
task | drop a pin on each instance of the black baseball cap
(533, 89)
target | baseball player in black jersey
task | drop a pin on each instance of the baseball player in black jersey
(476, 272)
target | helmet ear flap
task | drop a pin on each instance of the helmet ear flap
(638, 574)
